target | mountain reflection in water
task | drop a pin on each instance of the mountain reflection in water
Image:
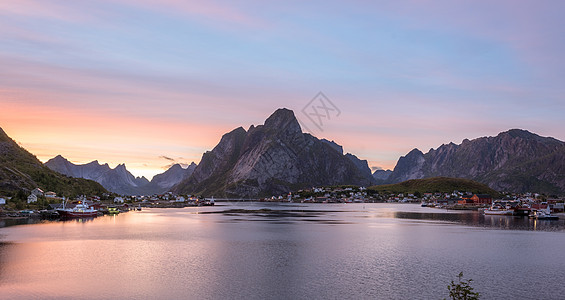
(281, 251)
(333, 216)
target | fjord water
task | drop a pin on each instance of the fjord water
(293, 251)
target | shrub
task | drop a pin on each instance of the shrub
(462, 290)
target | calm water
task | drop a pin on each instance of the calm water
(315, 251)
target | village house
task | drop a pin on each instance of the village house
(51, 195)
(464, 200)
(31, 198)
(118, 200)
(447, 201)
(468, 198)
(556, 204)
(482, 199)
(2, 201)
(37, 192)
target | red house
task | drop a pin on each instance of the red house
(482, 199)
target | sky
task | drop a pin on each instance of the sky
(150, 83)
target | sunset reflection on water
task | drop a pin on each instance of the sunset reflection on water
(265, 251)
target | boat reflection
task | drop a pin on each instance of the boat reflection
(473, 218)
(77, 220)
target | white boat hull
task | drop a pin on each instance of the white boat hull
(499, 212)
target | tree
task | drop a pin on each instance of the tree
(462, 290)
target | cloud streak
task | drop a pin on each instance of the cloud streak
(150, 77)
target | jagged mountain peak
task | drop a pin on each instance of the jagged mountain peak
(239, 130)
(271, 159)
(3, 136)
(179, 166)
(20, 169)
(334, 145)
(176, 167)
(175, 174)
(515, 160)
(527, 135)
(283, 119)
(95, 163)
(516, 132)
(59, 157)
(119, 179)
(415, 151)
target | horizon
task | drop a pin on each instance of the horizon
(185, 165)
(153, 83)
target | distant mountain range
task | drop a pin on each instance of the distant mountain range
(21, 170)
(516, 160)
(277, 157)
(273, 159)
(119, 180)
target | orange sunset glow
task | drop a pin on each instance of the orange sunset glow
(133, 82)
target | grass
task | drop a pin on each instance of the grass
(435, 185)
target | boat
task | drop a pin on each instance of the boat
(113, 210)
(424, 204)
(543, 215)
(497, 209)
(80, 210)
(207, 202)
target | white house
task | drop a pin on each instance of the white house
(180, 199)
(31, 198)
(51, 195)
(2, 201)
(118, 200)
(37, 192)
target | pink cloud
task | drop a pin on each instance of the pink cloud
(39, 9)
(211, 12)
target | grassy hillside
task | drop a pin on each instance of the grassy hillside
(21, 170)
(435, 185)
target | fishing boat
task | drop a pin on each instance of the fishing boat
(543, 215)
(80, 210)
(498, 209)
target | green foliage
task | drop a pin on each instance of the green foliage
(21, 171)
(435, 185)
(20, 205)
(462, 289)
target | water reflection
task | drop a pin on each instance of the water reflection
(487, 221)
(18, 221)
(281, 216)
(329, 214)
(263, 251)
(347, 216)
(77, 220)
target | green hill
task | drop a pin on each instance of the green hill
(22, 171)
(435, 185)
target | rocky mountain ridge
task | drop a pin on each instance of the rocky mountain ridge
(516, 160)
(273, 158)
(22, 171)
(119, 180)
